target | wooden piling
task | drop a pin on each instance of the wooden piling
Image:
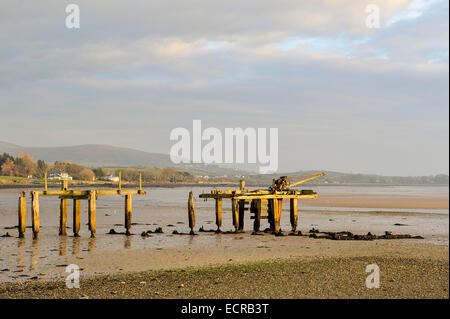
(218, 213)
(128, 211)
(241, 214)
(92, 212)
(22, 214)
(235, 213)
(191, 212)
(255, 209)
(278, 214)
(76, 217)
(63, 210)
(270, 214)
(63, 217)
(293, 211)
(45, 181)
(35, 213)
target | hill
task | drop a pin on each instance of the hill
(97, 155)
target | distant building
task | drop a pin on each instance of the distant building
(59, 175)
(111, 178)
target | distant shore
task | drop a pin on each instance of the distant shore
(75, 184)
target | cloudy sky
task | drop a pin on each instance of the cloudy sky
(343, 96)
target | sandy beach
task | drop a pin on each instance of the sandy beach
(211, 265)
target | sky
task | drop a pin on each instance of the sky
(343, 96)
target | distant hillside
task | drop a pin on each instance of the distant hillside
(110, 156)
(347, 178)
(91, 155)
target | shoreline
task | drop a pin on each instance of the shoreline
(13, 185)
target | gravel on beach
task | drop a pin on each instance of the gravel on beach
(308, 277)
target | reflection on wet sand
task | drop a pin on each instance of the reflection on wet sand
(91, 244)
(34, 254)
(76, 245)
(62, 245)
(21, 253)
(127, 242)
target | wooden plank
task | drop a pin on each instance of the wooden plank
(22, 214)
(35, 213)
(128, 210)
(76, 217)
(251, 197)
(85, 193)
(92, 213)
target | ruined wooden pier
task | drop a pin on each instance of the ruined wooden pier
(262, 204)
(76, 196)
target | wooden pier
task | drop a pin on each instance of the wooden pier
(262, 204)
(76, 196)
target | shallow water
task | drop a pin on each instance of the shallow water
(167, 208)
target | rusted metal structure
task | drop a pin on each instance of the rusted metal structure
(263, 204)
(76, 195)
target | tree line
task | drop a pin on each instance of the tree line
(24, 165)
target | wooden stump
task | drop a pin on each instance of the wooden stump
(22, 214)
(191, 212)
(293, 211)
(128, 212)
(235, 213)
(76, 217)
(63, 217)
(241, 214)
(218, 213)
(63, 211)
(255, 209)
(271, 214)
(92, 212)
(35, 213)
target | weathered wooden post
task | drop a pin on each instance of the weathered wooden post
(22, 214)
(293, 211)
(35, 213)
(191, 212)
(76, 217)
(278, 205)
(218, 214)
(235, 213)
(45, 181)
(256, 212)
(271, 214)
(92, 207)
(63, 210)
(128, 209)
(241, 214)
